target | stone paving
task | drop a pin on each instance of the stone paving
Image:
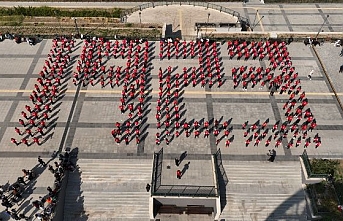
(85, 117)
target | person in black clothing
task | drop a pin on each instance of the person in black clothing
(41, 162)
(177, 162)
(21, 180)
(147, 187)
(14, 215)
(272, 155)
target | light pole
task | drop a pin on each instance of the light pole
(208, 20)
(252, 29)
(327, 16)
(140, 18)
(255, 17)
(198, 27)
(76, 28)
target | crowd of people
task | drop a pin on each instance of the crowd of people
(13, 195)
(277, 55)
(280, 76)
(208, 72)
(132, 78)
(90, 69)
(37, 118)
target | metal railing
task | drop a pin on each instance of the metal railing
(316, 198)
(157, 170)
(158, 189)
(166, 3)
(307, 164)
(313, 199)
(186, 190)
(222, 174)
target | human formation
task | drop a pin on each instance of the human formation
(133, 78)
(37, 118)
(209, 72)
(279, 75)
(294, 129)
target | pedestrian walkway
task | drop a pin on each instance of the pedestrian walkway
(263, 191)
(109, 189)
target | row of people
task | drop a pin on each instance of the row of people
(44, 96)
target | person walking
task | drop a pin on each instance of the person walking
(177, 162)
(147, 187)
(310, 75)
(272, 155)
(178, 174)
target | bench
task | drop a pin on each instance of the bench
(199, 210)
(171, 209)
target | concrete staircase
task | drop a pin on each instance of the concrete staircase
(263, 191)
(109, 189)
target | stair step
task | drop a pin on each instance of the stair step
(108, 190)
(263, 191)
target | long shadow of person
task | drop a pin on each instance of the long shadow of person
(183, 156)
(185, 168)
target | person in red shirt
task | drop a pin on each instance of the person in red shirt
(304, 127)
(178, 174)
(227, 143)
(257, 141)
(278, 142)
(206, 124)
(244, 125)
(307, 143)
(36, 140)
(253, 127)
(268, 141)
(17, 130)
(318, 144)
(313, 125)
(290, 144)
(196, 134)
(25, 141)
(14, 141)
(207, 133)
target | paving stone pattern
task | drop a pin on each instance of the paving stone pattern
(86, 116)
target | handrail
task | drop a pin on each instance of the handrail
(157, 171)
(216, 173)
(307, 164)
(158, 189)
(220, 8)
(186, 190)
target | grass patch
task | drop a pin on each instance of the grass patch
(326, 166)
(60, 12)
(327, 196)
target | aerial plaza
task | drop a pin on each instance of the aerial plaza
(190, 126)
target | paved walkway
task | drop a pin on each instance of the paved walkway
(263, 17)
(86, 116)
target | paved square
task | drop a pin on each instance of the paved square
(114, 175)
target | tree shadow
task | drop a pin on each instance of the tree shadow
(281, 212)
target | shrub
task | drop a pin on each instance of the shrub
(323, 166)
(50, 11)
